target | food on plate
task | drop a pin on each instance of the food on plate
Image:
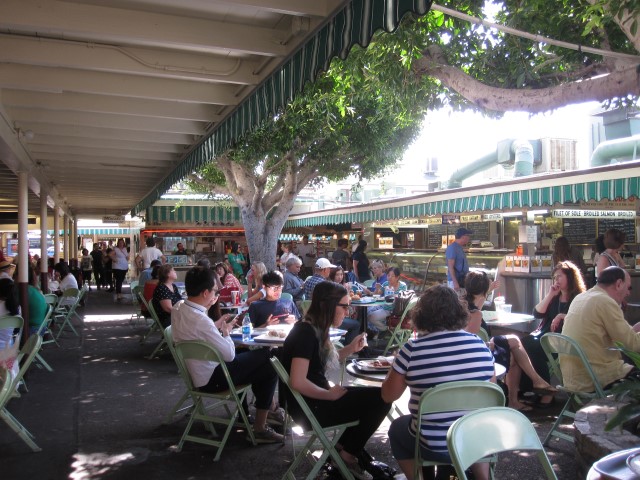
(278, 333)
(381, 363)
(355, 297)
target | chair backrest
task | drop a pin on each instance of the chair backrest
(45, 323)
(197, 350)
(51, 299)
(492, 430)
(556, 343)
(409, 307)
(26, 355)
(461, 395)
(154, 315)
(69, 297)
(304, 305)
(168, 337)
(5, 390)
(11, 321)
(484, 336)
(133, 284)
(286, 295)
(136, 293)
(369, 283)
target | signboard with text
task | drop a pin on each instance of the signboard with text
(113, 219)
(568, 213)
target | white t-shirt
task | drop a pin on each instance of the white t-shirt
(149, 254)
(303, 250)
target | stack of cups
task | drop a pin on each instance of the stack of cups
(498, 302)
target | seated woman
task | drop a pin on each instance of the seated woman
(507, 349)
(377, 315)
(166, 294)
(254, 282)
(567, 283)
(9, 305)
(227, 278)
(149, 288)
(67, 280)
(350, 323)
(440, 318)
(306, 354)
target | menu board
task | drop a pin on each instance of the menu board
(435, 233)
(480, 231)
(627, 226)
(579, 230)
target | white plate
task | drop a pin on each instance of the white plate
(286, 327)
(266, 338)
(367, 365)
(364, 300)
(254, 333)
(614, 466)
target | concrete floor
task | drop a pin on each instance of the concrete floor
(100, 415)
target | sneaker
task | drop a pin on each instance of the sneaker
(357, 471)
(268, 435)
(276, 417)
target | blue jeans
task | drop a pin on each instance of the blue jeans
(403, 443)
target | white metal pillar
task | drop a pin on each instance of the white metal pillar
(75, 238)
(44, 256)
(56, 234)
(65, 239)
(23, 245)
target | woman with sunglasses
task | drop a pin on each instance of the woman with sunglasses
(308, 353)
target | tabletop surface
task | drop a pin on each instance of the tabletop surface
(352, 370)
(492, 318)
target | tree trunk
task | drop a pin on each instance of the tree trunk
(262, 236)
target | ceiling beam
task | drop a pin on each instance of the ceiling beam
(40, 151)
(157, 159)
(99, 144)
(135, 28)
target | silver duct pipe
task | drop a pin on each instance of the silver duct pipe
(523, 151)
(474, 167)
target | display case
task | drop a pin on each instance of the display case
(423, 268)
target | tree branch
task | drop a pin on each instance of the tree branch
(616, 84)
(212, 187)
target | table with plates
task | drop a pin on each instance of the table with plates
(260, 337)
(361, 309)
(520, 322)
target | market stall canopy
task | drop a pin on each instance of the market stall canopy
(108, 103)
(621, 182)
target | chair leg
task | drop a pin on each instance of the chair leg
(17, 427)
(161, 346)
(43, 363)
(554, 432)
(176, 408)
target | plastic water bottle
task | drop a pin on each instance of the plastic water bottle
(246, 329)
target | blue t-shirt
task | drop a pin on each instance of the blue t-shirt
(436, 358)
(260, 310)
(461, 266)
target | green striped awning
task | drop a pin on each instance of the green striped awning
(614, 189)
(192, 214)
(355, 24)
(97, 231)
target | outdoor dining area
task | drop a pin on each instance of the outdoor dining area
(108, 408)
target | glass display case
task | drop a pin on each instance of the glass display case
(424, 268)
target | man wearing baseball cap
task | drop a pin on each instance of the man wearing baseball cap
(321, 271)
(457, 264)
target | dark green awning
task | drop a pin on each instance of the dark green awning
(355, 24)
(426, 205)
(187, 214)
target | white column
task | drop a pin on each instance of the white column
(56, 234)
(75, 237)
(23, 246)
(44, 225)
(65, 247)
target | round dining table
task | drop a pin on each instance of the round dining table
(379, 376)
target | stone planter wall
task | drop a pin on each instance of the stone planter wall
(591, 440)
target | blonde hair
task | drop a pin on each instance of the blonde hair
(260, 270)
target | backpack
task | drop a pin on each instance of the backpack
(399, 305)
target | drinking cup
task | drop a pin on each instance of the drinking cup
(235, 297)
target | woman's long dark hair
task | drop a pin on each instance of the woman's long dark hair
(322, 311)
(476, 283)
(9, 293)
(575, 282)
(332, 274)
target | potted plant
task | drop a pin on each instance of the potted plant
(627, 391)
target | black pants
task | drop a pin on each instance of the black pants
(359, 403)
(253, 367)
(107, 278)
(119, 276)
(97, 274)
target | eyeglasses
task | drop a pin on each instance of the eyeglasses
(214, 291)
(344, 305)
(274, 287)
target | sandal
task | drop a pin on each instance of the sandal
(545, 390)
(524, 408)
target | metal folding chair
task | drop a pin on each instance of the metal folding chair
(43, 330)
(177, 407)
(318, 432)
(451, 397)
(399, 335)
(136, 293)
(27, 354)
(489, 431)
(554, 345)
(158, 327)
(66, 309)
(236, 393)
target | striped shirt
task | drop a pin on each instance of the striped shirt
(436, 358)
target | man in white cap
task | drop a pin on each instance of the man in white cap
(321, 271)
(6, 269)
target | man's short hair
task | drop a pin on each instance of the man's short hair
(611, 275)
(151, 242)
(197, 280)
(343, 242)
(154, 263)
(293, 261)
(272, 278)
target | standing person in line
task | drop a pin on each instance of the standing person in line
(613, 243)
(120, 266)
(97, 264)
(85, 266)
(286, 255)
(457, 264)
(564, 252)
(307, 254)
(307, 354)
(148, 254)
(108, 269)
(341, 257)
(361, 263)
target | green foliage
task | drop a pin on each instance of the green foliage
(627, 390)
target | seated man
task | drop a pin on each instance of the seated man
(321, 272)
(595, 320)
(293, 284)
(273, 309)
(145, 275)
(189, 321)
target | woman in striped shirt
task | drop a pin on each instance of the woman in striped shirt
(443, 352)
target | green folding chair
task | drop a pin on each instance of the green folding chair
(236, 394)
(369, 283)
(318, 432)
(177, 408)
(399, 335)
(43, 330)
(66, 309)
(136, 293)
(304, 305)
(555, 345)
(6, 393)
(158, 327)
(484, 336)
(286, 295)
(489, 431)
(451, 397)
